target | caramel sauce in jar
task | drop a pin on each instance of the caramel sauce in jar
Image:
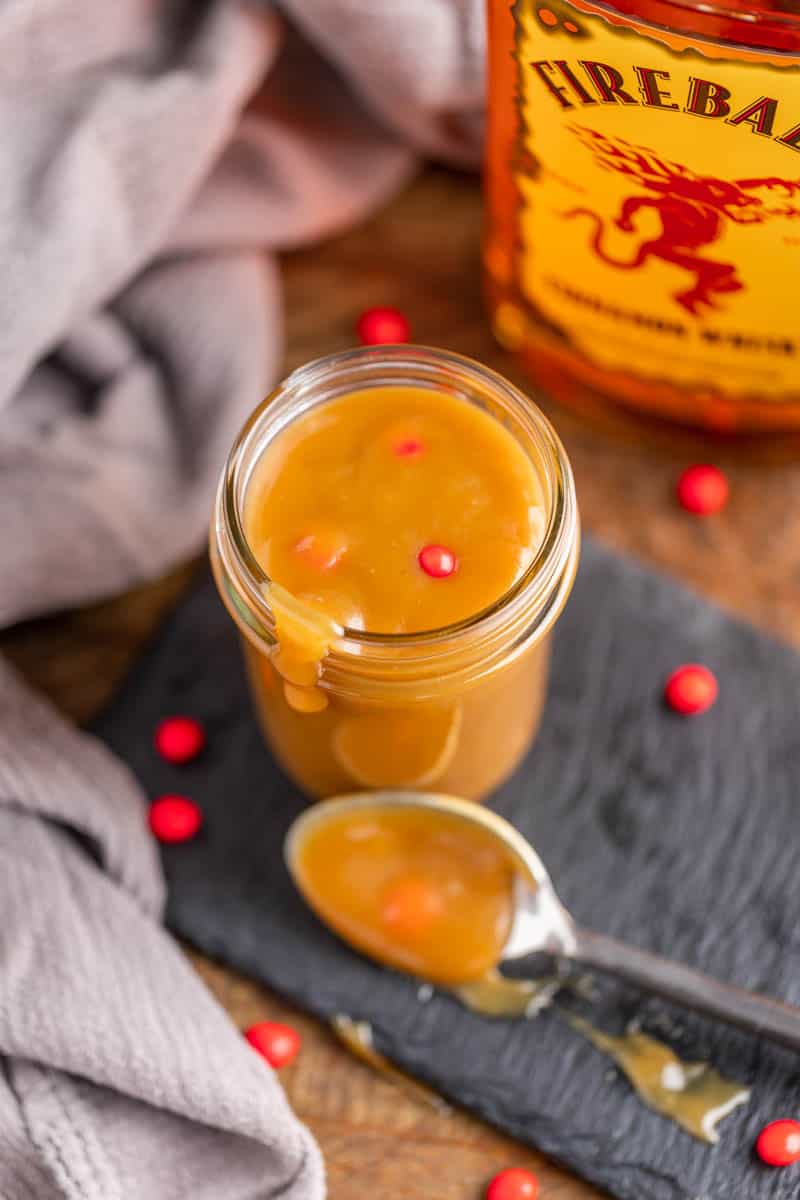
(395, 534)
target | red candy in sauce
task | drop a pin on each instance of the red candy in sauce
(437, 561)
(703, 490)
(513, 1184)
(174, 818)
(322, 549)
(410, 447)
(277, 1043)
(778, 1144)
(379, 326)
(410, 906)
(179, 739)
(691, 689)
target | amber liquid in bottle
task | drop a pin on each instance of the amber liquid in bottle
(642, 241)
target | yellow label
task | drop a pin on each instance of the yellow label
(660, 199)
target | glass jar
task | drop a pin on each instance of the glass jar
(643, 204)
(454, 709)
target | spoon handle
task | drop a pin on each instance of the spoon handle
(674, 981)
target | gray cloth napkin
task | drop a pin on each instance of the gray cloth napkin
(153, 155)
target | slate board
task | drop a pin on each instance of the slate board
(680, 835)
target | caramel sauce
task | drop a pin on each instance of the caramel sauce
(344, 498)
(495, 995)
(357, 1037)
(304, 637)
(693, 1094)
(339, 510)
(425, 892)
(420, 891)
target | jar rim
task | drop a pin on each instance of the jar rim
(553, 563)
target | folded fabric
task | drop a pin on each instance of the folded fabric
(153, 156)
(116, 1060)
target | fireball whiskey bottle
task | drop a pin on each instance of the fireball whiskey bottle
(643, 192)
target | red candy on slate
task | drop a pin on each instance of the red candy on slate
(174, 818)
(778, 1144)
(691, 689)
(275, 1042)
(379, 326)
(437, 561)
(513, 1184)
(179, 739)
(703, 490)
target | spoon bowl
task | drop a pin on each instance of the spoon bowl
(541, 924)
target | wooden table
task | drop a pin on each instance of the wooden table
(421, 254)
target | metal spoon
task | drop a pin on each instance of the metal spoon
(542, 924)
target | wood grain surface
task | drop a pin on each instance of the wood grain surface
(421, 254)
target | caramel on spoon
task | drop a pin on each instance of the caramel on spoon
(529, 919)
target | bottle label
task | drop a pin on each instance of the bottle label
(659, 187)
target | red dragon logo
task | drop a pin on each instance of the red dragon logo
(693, 211)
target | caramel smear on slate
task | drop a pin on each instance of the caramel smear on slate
(693, 1094)
(496, 996)
(357, 1037)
